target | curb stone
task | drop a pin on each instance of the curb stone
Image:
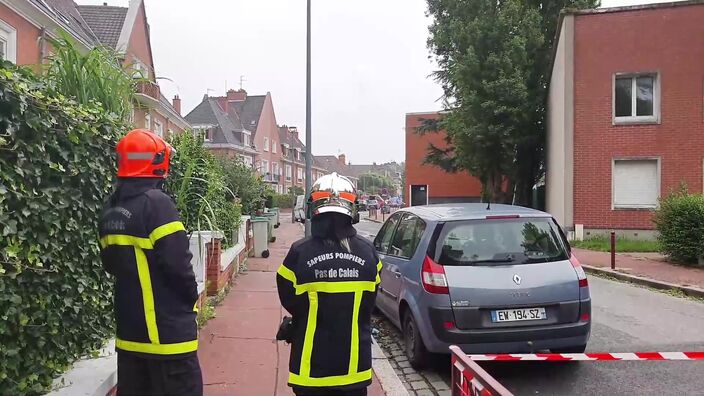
(390, 382)
(639, 280)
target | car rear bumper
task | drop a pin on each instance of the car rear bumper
(504, 340)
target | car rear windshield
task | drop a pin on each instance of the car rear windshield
(500, 242)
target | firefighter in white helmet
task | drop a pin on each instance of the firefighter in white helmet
(328, 283)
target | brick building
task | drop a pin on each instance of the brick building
(390, 170)
(330, 163)
(626, 116)
(222, 131)
(127, 31)
(428, 184)
(244, 125)
(26, 27)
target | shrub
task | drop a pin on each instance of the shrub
(680, 223)
(245, 183)
(56, 168)
(91, 76)
(199, 184)
(283, 201)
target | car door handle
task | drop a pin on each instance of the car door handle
(397, 274)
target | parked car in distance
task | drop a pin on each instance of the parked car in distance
(373, 202)
(498, 280)
(299, 209)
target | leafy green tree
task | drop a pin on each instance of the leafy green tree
(373, 183)
(199, 183)
(245, 184)
(494, 62)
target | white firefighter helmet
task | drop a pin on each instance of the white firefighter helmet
(333, 194)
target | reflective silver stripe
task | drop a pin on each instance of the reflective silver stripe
(140, 156)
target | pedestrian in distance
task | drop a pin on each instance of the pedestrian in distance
(145, 247)
(328, 283)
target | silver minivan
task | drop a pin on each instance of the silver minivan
(490, 279)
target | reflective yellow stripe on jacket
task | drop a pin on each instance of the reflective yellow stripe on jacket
(154, 346)
(356, 287)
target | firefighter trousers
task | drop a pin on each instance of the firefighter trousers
(138, 376)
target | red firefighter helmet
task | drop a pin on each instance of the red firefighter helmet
(142, 153)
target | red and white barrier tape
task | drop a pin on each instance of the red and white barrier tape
(590, 356)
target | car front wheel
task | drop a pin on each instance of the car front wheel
(415, 349)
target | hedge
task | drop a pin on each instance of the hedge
(199, 185)
(680, 225)
(56, 167)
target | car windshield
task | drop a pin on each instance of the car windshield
(500, 242)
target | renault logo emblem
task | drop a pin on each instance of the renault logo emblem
(517, 280)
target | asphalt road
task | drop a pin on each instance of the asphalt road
(625, 319)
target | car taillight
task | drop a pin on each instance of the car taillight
(433, 277)
(581, 275)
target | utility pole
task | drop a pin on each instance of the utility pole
(309, 149)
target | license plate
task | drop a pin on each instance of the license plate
(516, 315)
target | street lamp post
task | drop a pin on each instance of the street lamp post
(309, 150)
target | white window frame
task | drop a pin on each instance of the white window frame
(265, 167)
(275, 168)
(246, 139)
(266, 143)
(635, 119)
(148, 121)
(273, 147)
(159, 128)
(658, 187)
(300, 174)
(289, 172)
(8, 34)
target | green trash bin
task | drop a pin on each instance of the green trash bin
(260, 229)
(271, 216)
(277, 211)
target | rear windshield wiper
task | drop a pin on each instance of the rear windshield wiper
(497, 260)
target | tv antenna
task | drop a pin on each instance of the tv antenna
(242, 80)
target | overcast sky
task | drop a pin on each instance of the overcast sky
(370, 63)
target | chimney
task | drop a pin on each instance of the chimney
(236, 96)
(343, 159)
(294, 132)
(177, 104)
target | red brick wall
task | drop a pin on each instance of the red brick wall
(267, 127)
(139, 45)
(440, 183)
(27, 36)
(669, 41)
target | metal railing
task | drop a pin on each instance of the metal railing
(469, 379)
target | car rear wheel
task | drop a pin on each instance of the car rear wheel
(415, 349)
(574, 349)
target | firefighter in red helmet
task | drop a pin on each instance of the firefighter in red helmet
(145, 247)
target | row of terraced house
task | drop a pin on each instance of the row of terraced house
(236, 124)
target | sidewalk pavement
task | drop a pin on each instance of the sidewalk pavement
(239, 354)
(646, 265)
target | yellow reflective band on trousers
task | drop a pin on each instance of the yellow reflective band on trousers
(166, 230)
(157, 349)
(354, 341)
(145, 281)
(338, 380)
